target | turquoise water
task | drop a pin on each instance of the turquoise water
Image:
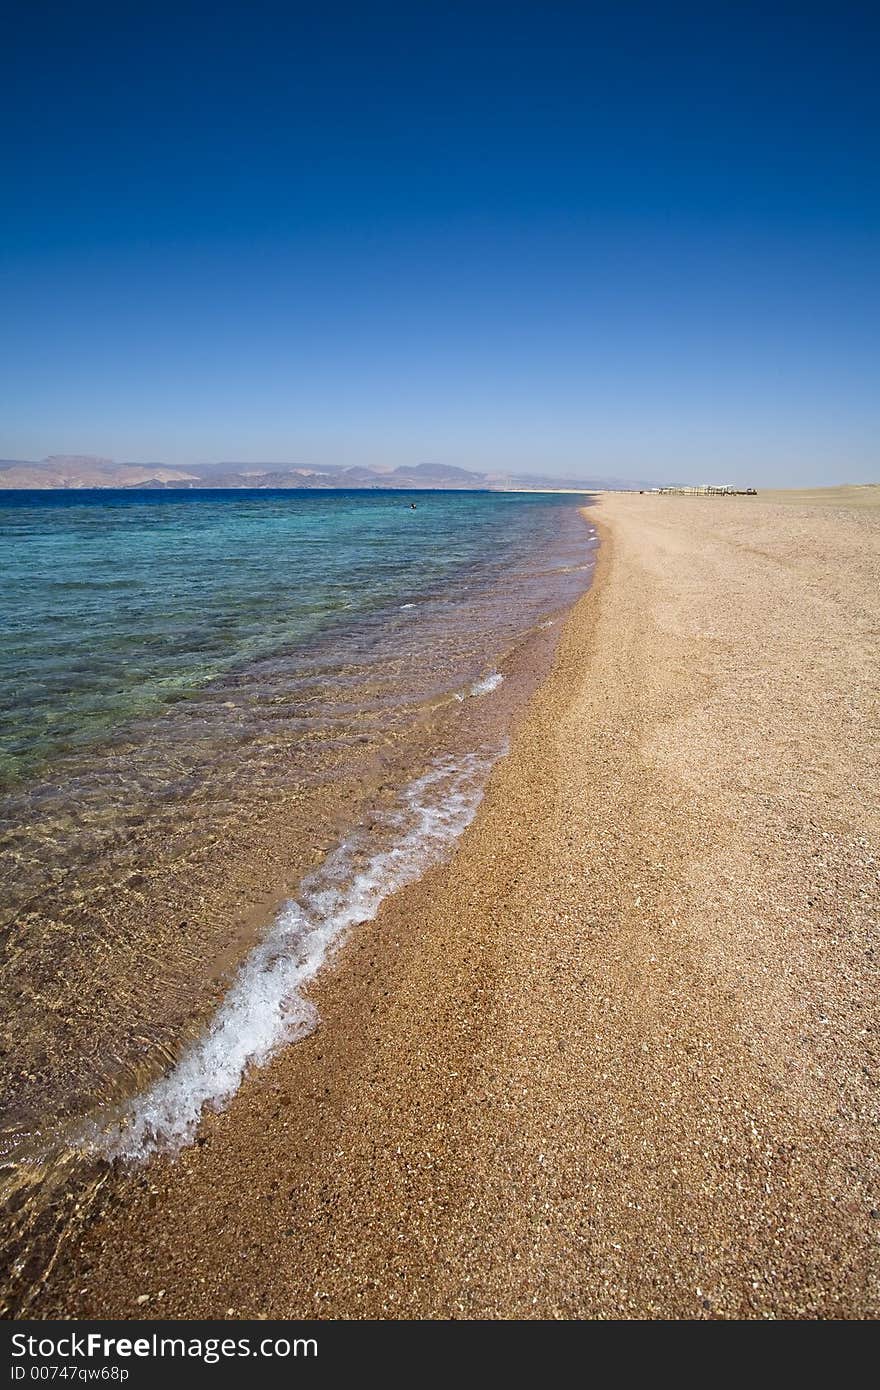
(117, 604)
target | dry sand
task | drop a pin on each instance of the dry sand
(620, 1056)
(852, 496)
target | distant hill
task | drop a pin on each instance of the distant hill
(84, 471)
(81, 470)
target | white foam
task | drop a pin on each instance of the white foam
(265, 1006)
(406, 605)
(487, 684)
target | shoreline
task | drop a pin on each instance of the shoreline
(610, 1059)
(144, 869)
(59, 1165)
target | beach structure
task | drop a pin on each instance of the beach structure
(709, 490)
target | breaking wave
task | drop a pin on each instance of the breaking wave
(265, 1006)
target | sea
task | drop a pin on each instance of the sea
(231, 723)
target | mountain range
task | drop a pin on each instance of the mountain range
(85, 471)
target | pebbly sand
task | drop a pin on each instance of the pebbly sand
(620, 1056)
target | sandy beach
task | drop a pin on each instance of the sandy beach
(619, 1056)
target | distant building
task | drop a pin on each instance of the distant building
(709, 490)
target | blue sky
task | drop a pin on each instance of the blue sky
(632, 240)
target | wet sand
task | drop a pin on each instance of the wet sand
(619, 1057)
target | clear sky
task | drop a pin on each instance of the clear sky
(617, 239)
